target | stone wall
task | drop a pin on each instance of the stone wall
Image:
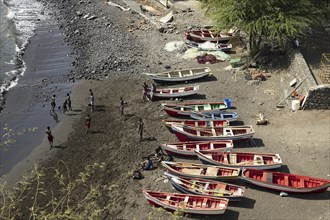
(300, 70)
(318, 97)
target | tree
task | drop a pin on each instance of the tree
(275, 20)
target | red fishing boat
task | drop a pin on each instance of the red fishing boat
(285, 182)
(187, 203)
(241, 159)
(184, 109)
(188, 148)
(196, 123)
(188, 133)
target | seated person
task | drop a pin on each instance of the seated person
(147, 164)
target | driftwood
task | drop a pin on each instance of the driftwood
(116, 5)
(261, 120)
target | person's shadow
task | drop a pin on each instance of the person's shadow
(55, 116)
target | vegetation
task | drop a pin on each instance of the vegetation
(267, 20)
(67, 198)
(9, 134)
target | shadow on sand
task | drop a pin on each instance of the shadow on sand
(149, 139)
(251, 142)
(236, 123)
(244, 203)
(72, 114)
(96, 132)
(60, 147)
(229, 214)
(99, 108)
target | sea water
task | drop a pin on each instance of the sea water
(18, 20)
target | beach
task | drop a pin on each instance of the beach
(112, 50)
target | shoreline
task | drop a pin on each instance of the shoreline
(27, 106)
(41, 153)
(33, 15)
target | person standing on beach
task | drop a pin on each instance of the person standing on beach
(68, 101)
(87, 123)
(141, 127)
(122, 106)
(64, 107)
(91, 101)
(145, 92)
(53, 103)
(50, 137)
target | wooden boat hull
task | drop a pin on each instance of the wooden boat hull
(180, 75)
(196, 123)
(185, 202)
(273, 158)
(215, 115)
(188, 148)
(184, 109)
(184, 135)
(268, 178)
(176, 92)
(197, 171)
(205, 35)
(237, 195)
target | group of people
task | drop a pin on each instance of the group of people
(66, 106)
(148, 93)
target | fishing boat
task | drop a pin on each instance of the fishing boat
(206, 187)
(176, 92)
(188, 148)
(285, 182)
(187, 203)
(180, 75)
(195, 123)
(206, 35)
(189, 133)
(210, 46)
(241, 159)
(184, 109)
(215, 115)
(201, 170)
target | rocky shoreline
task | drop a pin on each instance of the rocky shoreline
(107, 40)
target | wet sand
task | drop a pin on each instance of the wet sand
(27, 104)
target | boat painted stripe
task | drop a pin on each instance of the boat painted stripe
(283, 188)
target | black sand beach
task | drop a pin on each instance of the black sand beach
(114, 48)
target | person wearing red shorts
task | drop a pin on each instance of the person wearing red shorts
(88, 123)
(50, 137)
